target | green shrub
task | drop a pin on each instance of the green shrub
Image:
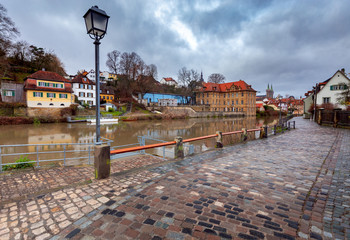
(110, 110)
(36, 121)
(24, 162)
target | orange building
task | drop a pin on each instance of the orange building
(227, 97)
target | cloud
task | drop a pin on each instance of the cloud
(290, 44)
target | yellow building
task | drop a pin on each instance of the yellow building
(107, 97)
(48, 90)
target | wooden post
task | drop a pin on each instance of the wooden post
(219, 140)
(102, 161)
(244, 135)
(179, 149)
(335, 119)
(265, 130)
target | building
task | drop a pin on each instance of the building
(171, 102)
(106, 76)
(227, 97)
(12, 92)
(48, 89)
(308, 101)
(168, 81)
(155, 98)
(329, 91)
(268, 95)
(106, 94)
(84, 89)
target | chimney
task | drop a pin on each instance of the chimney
(343, 70)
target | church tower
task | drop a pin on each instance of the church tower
(269, 91)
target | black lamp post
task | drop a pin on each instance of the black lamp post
(96, 21)
(280, 105)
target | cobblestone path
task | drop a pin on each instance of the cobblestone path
(292, 186)
(23, 184)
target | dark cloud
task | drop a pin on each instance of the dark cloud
(290, 44)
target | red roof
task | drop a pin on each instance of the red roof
(45, 75)
(31, 84)
(169, 79)
(226, 87)
(259, 105)
(82, 78)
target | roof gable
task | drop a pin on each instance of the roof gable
(81, 78)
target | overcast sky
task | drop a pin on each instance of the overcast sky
(289, 44)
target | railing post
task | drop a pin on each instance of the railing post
(282, 128)
(89, 162)
(266, 129)
(288, 125)
(37, 156)
(244, 135)
(163, 153)
(0, 161)
(275, 130)
(219, 140)
(64, 155)
(102, 161)
(293, 124)
(179, 149)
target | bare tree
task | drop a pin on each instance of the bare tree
(152, 71)
(113, 61)
(216, 78)
(190, 80)
(7, 31)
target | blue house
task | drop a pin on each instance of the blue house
(153, 98)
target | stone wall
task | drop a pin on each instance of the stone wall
(44, 112)
(190, 112)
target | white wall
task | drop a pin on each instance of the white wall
(85, 99)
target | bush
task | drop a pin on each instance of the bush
(110, 110)
(24, 162)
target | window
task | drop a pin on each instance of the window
(81, 86)
(62, 104)
(81, 94)
(89, 87)
(51, 104)
(62, 95)
(242, 102)
(233, 94)
(51, 95)
(107, 97)
(207, 94)
(236, 101)
(37, 94)
(326, 100)
(242, 94)
(233, 102)
(39, 104)
(224, 95)
(237, 94)
(9, 93)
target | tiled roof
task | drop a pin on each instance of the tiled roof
(169, 79)
(225, 87)
(31, 84)
(49, 76)
(81, 78)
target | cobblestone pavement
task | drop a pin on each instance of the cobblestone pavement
(19, 185)
(292, 186)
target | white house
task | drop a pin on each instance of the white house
(168, 81)
(84, 89)
(330, 90)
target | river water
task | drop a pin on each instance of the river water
(127, 132)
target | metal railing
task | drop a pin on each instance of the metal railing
(85, 151)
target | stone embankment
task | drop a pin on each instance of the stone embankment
(290, 186)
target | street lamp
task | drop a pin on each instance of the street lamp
(96, 21)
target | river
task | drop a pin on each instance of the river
(128, 132)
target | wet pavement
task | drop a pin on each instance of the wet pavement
(290, 186)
